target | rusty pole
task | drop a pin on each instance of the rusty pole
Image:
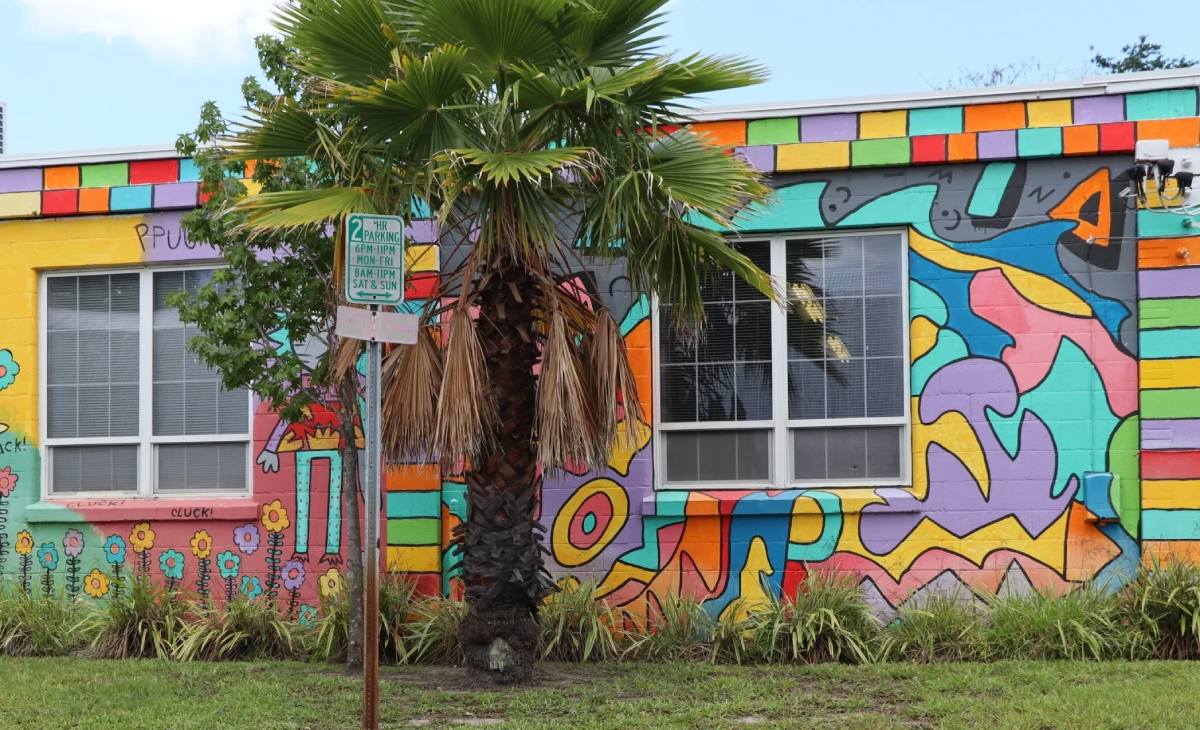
(371, 545)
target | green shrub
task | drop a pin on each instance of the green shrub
(328, 640)
(434, 631)
(1163, 604)
(827, 620)
(398, 605)
(241, 629)
(33, 625)
(940, 628)
(676, 629)
(730, 634)
(1081, 624)
(144, 622)
(577, 626)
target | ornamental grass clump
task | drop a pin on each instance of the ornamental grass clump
(144, 621)
(32, 625)
(242, 629)
(577, 626)
(434, 632)
(1163, 605)
(941, 628)
(1040, 624)
(398, 603)
(676, 629)
(826, 620)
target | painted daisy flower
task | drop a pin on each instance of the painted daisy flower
(8, 369)
(141, 537)
(247, 538)
(8, 481)
(293, 575)
(251, 586)
(24, 544)
(228, 564)
(275, 517)
(48, 556)
(201, 544)
(73, 543)
(95, 584)
(330, 584)
(114, 549)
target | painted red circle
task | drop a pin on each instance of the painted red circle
(601, 507)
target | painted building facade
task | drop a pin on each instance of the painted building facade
(989, 378)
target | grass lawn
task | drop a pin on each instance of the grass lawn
(80, 693)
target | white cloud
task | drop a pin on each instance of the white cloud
(189, 31)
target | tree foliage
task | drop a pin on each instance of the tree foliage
(1141, 55)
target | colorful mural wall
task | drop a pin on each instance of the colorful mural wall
(1054, 397)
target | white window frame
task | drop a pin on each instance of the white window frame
(780, 452)
(146, 441)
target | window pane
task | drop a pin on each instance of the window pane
(845, 389)
(868, 452)
(753, 401)
(881, 265)
(846, 453)
(716, 341)
(712, 456)
(844, 330)
(808, 453)
(883, 451)
(806, 389)
(678, 393)
(202, 467)
(885, 387)
(714, 393)
(93, 469)
(92, 356)
(188, 396)
(884, 322)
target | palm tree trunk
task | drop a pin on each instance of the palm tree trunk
(348, 397)
(503, 572)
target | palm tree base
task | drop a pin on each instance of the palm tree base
(500, 644)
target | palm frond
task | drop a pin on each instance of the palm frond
(498, 33)
(465, 409)
(342, 40)
(614, 32)
(613, 384)
(412, 376)
(299, 208)
(567, 431)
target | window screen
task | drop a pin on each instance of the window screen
(92, 356)
(202, 467)
(724, 373)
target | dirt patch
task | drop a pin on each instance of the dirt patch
(456, 721)
(456, 679)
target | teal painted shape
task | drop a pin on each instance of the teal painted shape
(413, 504)
(333, 527)
(938, 120)
(949, 348)
(1039, 142)
(451, 566)
(639, 311)
(796, 206)
(925, 302)
(188, 170)
(648, 555)
(909, 206)
(454, 496)
(1173, 524)
(130, 197)
(1176, 342)
(1166, 104)
(989, 191)
(589, 523)
(420, 209)
(831, 530)
(1073, 404)
(1151, 223)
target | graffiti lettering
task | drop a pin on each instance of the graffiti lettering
(156, 237)
(191, 512)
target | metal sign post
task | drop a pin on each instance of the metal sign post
(374, 276)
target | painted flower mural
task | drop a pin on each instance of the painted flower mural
(330, 583)
(308, 615)
(228, 565)
(275, 520)
(202, 549)
(171, 564)
(251, 586)
(247, 538)
(8, 483)
(8, 369)
(47, 556)
(73, 547)
(141, 539)
(96, 584)
(293, 579)
(114, 555)
(24, 549)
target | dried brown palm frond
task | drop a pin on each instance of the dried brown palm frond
(608, 370)
(344, 358)
(465, 409)
(412, 377)
(567, 430)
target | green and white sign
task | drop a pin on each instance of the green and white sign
(374, 259)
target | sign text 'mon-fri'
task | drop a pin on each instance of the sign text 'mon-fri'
(374, 259)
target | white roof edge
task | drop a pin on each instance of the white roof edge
(1088, 86)
(85, 157)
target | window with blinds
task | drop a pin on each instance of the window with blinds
(814, 395)
(118, 424)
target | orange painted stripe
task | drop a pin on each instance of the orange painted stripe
(412, 478)
(994, 117)
(1168, 253)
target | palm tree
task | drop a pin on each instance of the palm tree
(544, 135)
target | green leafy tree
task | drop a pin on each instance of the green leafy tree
(265, 320)
(533, 130)
(1140, 56)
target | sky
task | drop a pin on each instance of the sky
(93, 74)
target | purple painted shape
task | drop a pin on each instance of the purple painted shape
(163, 239)
(1098, 109)
(1165, 283)
(21, 180)
(829, 128)
(176, 195)
(1020, 486)
(760, 157)
(1175, 434)
(422, 231)
(997, 145)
